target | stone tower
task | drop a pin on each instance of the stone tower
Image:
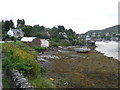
(20, 23)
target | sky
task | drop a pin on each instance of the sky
(79, 15)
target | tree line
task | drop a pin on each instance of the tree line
(54, 33)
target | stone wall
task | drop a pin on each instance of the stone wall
(17, 80)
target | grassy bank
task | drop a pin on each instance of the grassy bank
(23, 58)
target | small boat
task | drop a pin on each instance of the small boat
(82, 50)
(92, 42)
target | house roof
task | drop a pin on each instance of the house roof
(27, 39)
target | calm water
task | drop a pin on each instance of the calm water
(109, 49)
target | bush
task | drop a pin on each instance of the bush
(21, 60)
(26, 63)
(39, 48)
(25, 47)
(62, 42)
(53, 44)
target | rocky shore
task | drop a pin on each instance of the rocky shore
(81, 70)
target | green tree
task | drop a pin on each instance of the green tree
(54, 32)
(61, 29)
(7, 25)
(28, 30)
(70, 32)
(11, 24)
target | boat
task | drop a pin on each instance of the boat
(82, 50)
(92, 42)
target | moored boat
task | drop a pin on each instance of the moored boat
(82, 50)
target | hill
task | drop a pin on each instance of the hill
(111, 33)
(111, 30)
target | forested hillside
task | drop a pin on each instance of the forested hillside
(113, 29)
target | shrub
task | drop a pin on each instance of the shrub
(53, 44)
(39, 48)
(62, 42)
(25, 47)
(26, 63)
(21, 60)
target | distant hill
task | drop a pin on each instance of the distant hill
(111, 30)
(111, 33)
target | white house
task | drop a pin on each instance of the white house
(44, 43)
(88, 38)
(15, 33)
(93, 35)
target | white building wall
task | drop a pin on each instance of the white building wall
(44, 43)
(10, 33)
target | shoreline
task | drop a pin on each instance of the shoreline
(83, 70)
(106, 55)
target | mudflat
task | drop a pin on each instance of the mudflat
(83, 70)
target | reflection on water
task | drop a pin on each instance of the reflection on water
(109, 49)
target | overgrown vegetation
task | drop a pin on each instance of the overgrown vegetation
(5, 81)
(61, 42)
(39, 48)
(19, 59)
(26, 63)
(25, 47)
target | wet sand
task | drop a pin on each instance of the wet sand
(82, 70)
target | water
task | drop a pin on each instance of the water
(109, 49)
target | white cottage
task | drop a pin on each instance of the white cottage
(44, 43)
(88, 38)
(15, 33)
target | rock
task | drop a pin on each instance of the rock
(66, 83)
(15, 78)
(14, 71)
(48, 57)
(26, 85)
(60, 46)
(19, 80)
(62, 51)
(41, 59)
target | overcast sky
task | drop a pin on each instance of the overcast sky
(80, 15)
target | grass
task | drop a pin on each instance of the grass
(5, 80)
(20, 58)
(25, 47)
(42, 82)
(39, 48)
